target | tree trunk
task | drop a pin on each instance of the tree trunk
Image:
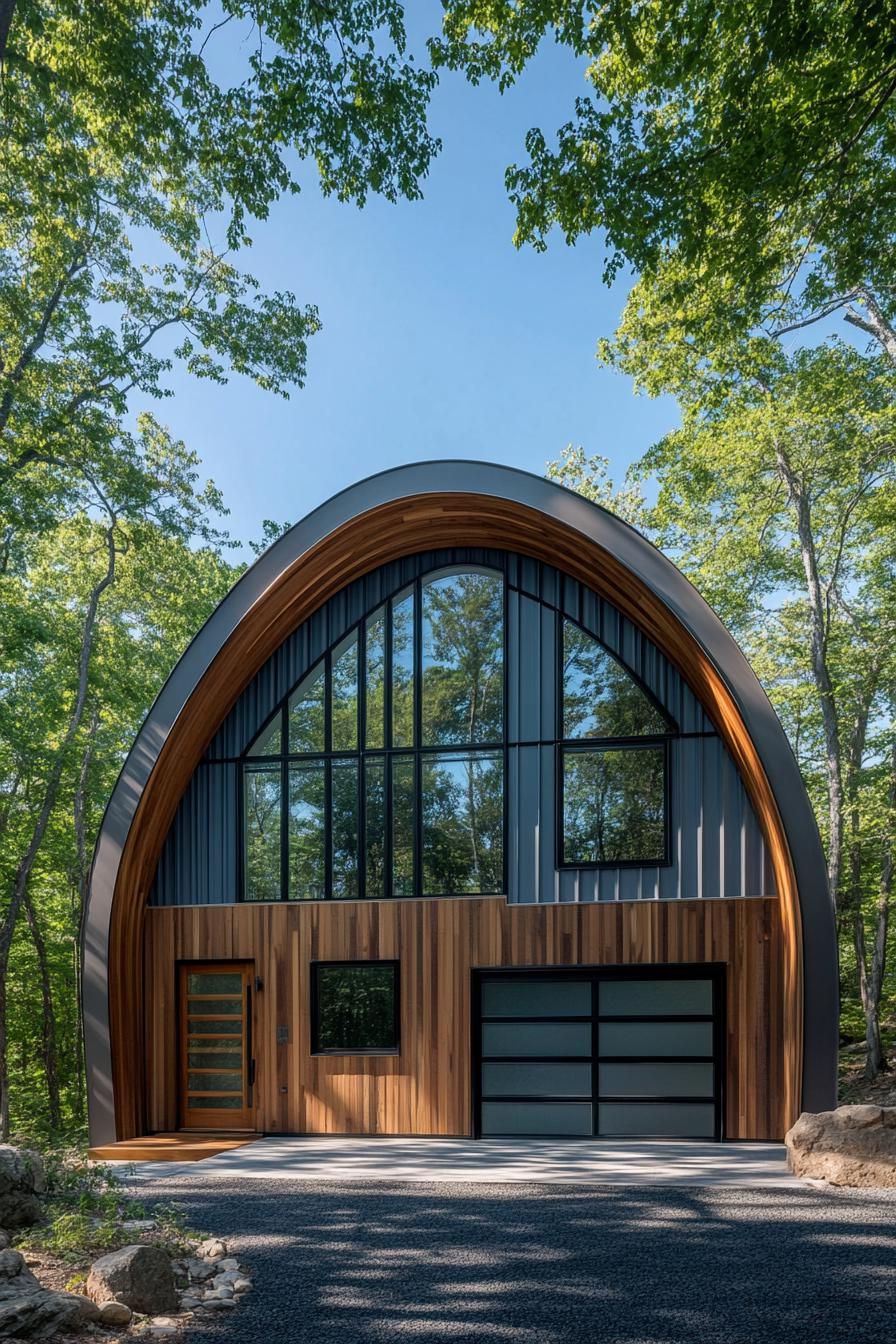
(873, 975)
(821, 673)
(51, 791)
(48, 1026)
(80, 877)
(6, 12)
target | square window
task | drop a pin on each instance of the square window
(354, 1008)
(614, 806)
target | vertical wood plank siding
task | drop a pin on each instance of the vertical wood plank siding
(717, 844)
(427, 1088)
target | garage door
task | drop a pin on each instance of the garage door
(599, 1053)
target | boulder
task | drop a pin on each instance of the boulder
(22, 1180)
(139, 1276)
(854, 1145)
(30, 1311)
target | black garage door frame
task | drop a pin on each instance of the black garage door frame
(712, 971)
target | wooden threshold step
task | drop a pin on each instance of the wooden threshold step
(181, 1147)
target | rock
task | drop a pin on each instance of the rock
(853, 1145)
(229, 1263)
(215, 1303)
(200, 1270)
(4, 1239)
(189, 1303)
(115, 1313)
(29, 1311)
(229, 1277)
(140, 1276)
(21, 1181)
(242, 1285)
(11, 1264)
(139, 1225)
(212, 1249)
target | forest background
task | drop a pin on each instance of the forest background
(732, 168)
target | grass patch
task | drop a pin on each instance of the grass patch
(87, 1205)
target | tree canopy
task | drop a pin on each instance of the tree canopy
(138, 150)
(740, 157)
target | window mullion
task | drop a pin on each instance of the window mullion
(362, 774)
(418, 738)
(328, 777)
(387, 760)
(284, 829)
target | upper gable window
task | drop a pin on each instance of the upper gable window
(600, 698)
(613, 760)
(383, 773)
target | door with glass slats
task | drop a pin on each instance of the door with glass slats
(600, 1053)
(216, 1065)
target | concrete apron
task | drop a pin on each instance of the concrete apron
(601, 1162)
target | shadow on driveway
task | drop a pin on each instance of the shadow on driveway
(540, 1264)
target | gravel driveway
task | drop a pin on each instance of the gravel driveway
(540, 1264)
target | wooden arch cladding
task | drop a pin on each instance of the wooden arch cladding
(370, 539)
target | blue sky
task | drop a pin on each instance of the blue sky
(439, 338)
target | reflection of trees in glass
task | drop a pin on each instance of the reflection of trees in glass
(600, 698)
(306, 712)
(307, 868)
(375, 826)
(375, 680)
(262, 822)
(614, 805)
(344, 692)
(403, 826)
(463, 659)
(462, 699)
(403, 671)
(344, 828)
(463, 823)
(356, 1008)
(268, 742)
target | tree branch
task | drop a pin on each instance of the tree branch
(37, 340)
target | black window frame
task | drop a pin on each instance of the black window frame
(599, 746)
(318, 966)
(417, 752)
(584, 745)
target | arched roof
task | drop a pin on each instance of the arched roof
(397, 512)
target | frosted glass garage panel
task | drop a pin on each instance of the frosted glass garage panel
(536, 1038)
(536, 998)
(655, 1080)
(672, 1120)
(537, 1117)
(645, 998)
(655, 1038)
(536, 1080)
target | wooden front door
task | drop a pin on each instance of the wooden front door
(217, 1070)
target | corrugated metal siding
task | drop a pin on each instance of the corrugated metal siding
(717, 847)
(199, 861)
